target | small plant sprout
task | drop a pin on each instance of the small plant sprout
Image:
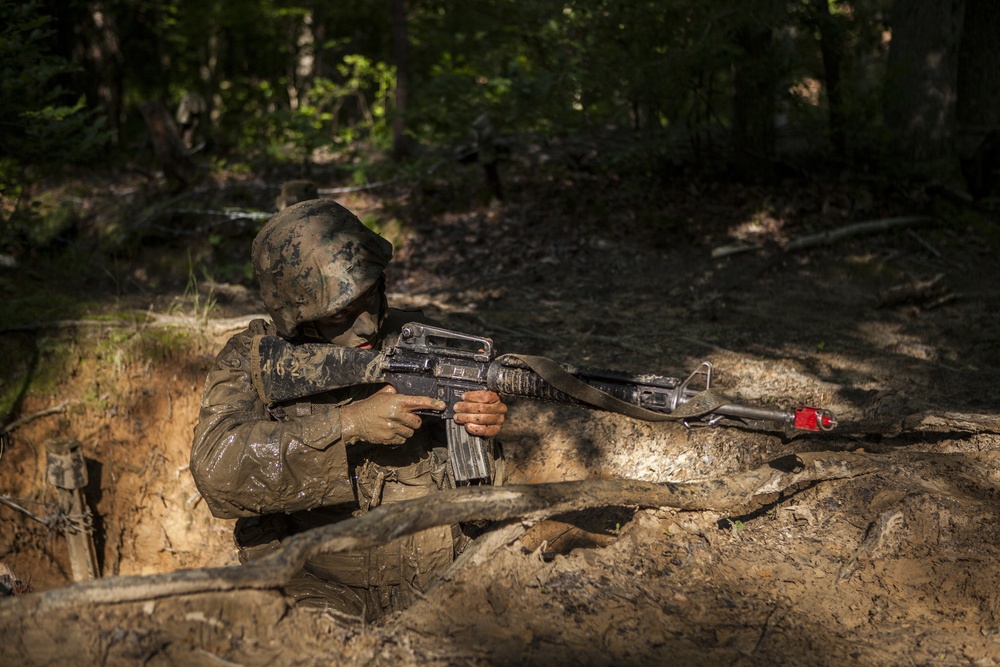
(736, 527)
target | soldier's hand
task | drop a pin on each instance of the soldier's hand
(384, 418)
(482, 412)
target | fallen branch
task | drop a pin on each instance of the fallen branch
(736, 495)
(17, 423)
(869, 227)
(213, 326)
(831, 235)
(727, 250)
(8, 502)
(356, 188)
(947, 422)
(918, 292)
(64, 324)
(482, 550)
(919, 239)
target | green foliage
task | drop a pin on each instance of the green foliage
(41, 123)
(321, 117)
(29, 297)
(369, 84)
(200, 308)
(286, 80)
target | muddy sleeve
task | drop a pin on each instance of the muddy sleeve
(246, 463)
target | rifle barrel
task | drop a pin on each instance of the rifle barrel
(750, 412)
(803, 418)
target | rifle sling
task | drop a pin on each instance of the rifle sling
(276, 370)
(698, 405)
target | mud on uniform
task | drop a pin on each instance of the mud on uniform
(283, 470)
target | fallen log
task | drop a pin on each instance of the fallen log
(215, 326)
(869, 227)
(947, 422)
(734, 495)
(831, 235)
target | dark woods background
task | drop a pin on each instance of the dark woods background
(735, 89)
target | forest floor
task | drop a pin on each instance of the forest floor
(894, 331)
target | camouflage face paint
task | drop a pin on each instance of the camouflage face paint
(355, 326)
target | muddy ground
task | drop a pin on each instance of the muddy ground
(895, 331)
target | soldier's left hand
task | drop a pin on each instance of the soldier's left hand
(482, 413)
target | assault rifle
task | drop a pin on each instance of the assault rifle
(443, 364)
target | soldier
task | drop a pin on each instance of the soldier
(288, 468)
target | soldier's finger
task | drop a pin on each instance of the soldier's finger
(480, 408)
(479, 418)
(422, 403)
(482, 431)
(481, 396)
(396, 439)
(408, 421)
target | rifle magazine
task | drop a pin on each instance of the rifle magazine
(469, 454)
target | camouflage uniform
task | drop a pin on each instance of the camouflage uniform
(286, 469)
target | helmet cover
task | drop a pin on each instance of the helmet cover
(312, 260)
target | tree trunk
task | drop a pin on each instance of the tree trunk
(401, 54)
(756, 75)
(176, 163)
(831, 45)
(89, 34)
(977, 108)
(922, 73)
(320, 30)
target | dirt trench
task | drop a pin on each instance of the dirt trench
(134, 427)
(899, 566)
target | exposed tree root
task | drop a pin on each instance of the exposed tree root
(961, 422)
(736, 494)
(18, 423)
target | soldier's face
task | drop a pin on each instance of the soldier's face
(355, 326)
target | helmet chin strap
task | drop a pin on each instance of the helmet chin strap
(383, 311)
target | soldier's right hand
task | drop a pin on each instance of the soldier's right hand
(384, 418)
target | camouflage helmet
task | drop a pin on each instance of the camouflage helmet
(313, 259)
